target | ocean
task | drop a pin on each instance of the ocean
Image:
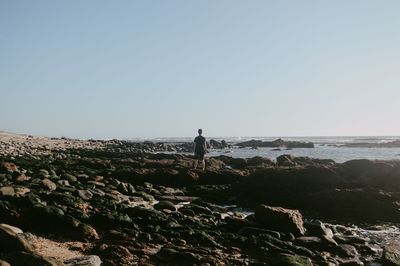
(325, 148)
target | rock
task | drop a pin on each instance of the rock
(286, 160)
(70, 178)
(4, 263)
(10, 229)
(144, 195)
(96, 183)
(7, 191)
(317, 228)
(22, 178)
(8, 167)
(63, 183)
(27, 258)
(347, 251)
(253, 231)
(292, 260)
(118, 255)
(44, 172)
(391, 253)
(10, 241)
(87, 232)
(276, 143)
(50, 185)
(85, 194)
(165, 205)
(21, 191)
(90, 260)
(314, 243)
(280, 219)
(260, 161)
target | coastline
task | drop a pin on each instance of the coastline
(136, 206)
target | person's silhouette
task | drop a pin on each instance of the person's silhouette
(200, 149)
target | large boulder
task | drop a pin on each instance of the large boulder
(280, 219)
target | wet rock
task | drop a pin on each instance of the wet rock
(280, 219)
(218, 145)
(253, 231)
(286, 160)
(391, 253)
(165, 205)
(237, 223)
(346, 251)
(292, 260)
(317, 228)
(314, 243)
(195, 209)
(260, 161)
(144, 195)
(351, 262)
(126, 188)
(276, 143)
(90, 260)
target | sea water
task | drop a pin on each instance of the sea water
(338, 154)
(325, 148)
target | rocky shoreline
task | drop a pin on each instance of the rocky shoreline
(118, 203)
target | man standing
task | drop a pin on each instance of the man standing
(200, 149)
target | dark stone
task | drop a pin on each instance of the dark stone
(280, 219)
(165, 205)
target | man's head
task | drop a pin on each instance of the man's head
(200, 131)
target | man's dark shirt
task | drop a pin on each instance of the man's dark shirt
(200, 145)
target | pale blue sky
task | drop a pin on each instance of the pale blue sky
(165, 68)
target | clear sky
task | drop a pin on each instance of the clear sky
(165, 68)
